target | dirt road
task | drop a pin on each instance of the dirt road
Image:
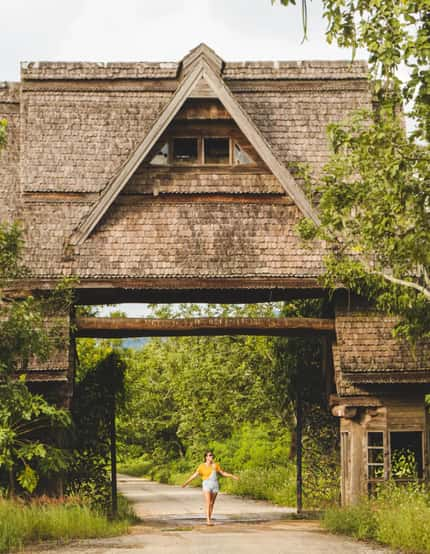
(154, 502)
(173, 523)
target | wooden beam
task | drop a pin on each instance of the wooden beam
(179, 284)
(101, 327)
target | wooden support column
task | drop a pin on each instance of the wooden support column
(113, 459)
(299, 425)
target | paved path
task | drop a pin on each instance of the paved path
(173, 523)
(154, 502)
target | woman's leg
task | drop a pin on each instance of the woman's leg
(208, 505)
(213, 498)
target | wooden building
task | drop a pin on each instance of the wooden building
(169, 182)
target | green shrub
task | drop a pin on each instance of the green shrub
(254, 446)
(398, 517)
(276, 484)
(22, 524)
(141, 467)
(358, 521)
(403, 515)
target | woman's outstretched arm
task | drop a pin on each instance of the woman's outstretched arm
(193, 476)
(225, 474)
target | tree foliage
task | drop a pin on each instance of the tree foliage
(28, 423)
(187, 391)
(25, 452)
(373, 197)
(396, 35)
(374, 206)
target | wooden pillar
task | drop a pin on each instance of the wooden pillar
(353, 478)
(299, 424)
(352, 437)
(113, 459)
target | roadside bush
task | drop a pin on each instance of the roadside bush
(397, 517)
(278, 485)
(358, 521)
(256, 445)
(403, 516)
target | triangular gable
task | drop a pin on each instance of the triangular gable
(199, 81)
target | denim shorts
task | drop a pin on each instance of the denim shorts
(210, 485)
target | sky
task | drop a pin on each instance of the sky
(156, 30)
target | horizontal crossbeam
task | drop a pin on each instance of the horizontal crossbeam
(101, 327)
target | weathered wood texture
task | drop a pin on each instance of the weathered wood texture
(141, 327)
(405, 413)
(186, 234)
(76, 124)
(366, 352)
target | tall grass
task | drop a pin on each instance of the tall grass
(22, 524)
(398, 517)
(276, 484)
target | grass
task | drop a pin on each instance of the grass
(274, 484)
(398, 517)
(136, 468)
(22, 524)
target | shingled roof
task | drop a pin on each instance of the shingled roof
(78, 136)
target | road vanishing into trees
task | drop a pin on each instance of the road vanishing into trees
(173, 522)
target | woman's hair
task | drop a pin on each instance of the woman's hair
(206, 453)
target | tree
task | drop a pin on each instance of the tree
(234, 394)
(25, 418)
(373, 197)
(394, 33)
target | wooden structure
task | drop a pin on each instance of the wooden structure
(167, 182)
(201, 326)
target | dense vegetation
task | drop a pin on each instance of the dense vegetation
(398, 517)
(36, 446)
(29, 425)
(235, 395)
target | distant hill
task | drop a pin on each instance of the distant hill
(135, 343)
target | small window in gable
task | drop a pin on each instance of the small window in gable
(185, 150)
(240, 157)
(217, 150)
(161, 155)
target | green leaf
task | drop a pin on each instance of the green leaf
(28, 479)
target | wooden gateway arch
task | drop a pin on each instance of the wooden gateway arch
(170, 182)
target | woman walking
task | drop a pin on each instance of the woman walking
(208, 471)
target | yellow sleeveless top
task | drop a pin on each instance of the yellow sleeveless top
(205, 471)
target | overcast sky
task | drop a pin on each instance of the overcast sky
(156, 30)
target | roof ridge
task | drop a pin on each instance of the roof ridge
(199, 69)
